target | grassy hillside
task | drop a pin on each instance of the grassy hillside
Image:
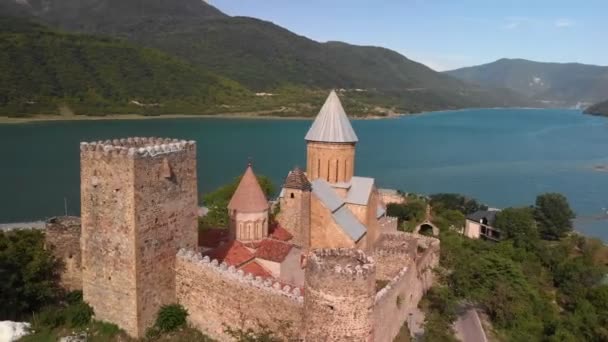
(556, 84)
(598, 109)
(265, 57)
(42, 71)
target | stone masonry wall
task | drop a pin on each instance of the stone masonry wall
(295, 215)
(107, 240)
(392, 253)
(392, 303)
(373, 227)
(62, 238)
(217, 296)
(166, 206)
(407, 286)
(388, 224)
(333, 162)
(138, 203)
(339, 300)
(324, 232)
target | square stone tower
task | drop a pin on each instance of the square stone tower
(139, 207)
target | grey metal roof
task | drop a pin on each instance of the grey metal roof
(360, 189)
(349, 223)
(327, 195)
(489, 215)
(332, 124)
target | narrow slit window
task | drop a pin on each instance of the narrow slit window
(318, 168)
(337, 164)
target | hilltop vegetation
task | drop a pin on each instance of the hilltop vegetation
(551, 84)
(598, 109)
(43, 70)
(541, 283)
(262, 56)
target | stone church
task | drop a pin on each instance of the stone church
(331, 266)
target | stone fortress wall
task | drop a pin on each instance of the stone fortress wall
(138, 247)
(139, 205)
(404, 260)
(206, 288)
(62, 238)
(217, 296)
(340, 289)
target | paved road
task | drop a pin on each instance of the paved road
(468, 327)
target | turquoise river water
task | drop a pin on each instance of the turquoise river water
(503, 157)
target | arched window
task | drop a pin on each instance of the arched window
(292, 196)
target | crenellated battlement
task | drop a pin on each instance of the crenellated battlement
(136, 147)
(340, 289)
(392, 283)
(394, 243)
(231, 273)
(342, 261)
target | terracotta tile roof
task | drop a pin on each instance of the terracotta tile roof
(273, 250)
(212, 238)
(248, 197)
(296, 179)
(280, 233)
(234, 253)
(256, 269)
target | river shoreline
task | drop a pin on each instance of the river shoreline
(245, 115)
(254, 116)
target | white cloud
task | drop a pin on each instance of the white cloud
(514, 23)
(564, 23)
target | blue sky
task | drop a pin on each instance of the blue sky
(447, 34)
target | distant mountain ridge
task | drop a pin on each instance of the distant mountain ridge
(553, 84)
(263, 56)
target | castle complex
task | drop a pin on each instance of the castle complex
(330, 267)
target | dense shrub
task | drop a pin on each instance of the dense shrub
(79, 314)
(49, 317)
(73, 297)
(29, 274)
(465, 205)
(531, 289)
(171, 317)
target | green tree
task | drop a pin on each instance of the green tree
(518, 224)
(29, 274)
(413, 211)
(465, 205)
(554, 215)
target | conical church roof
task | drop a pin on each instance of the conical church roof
(296, 179)
(248, 197)
(332, 124)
